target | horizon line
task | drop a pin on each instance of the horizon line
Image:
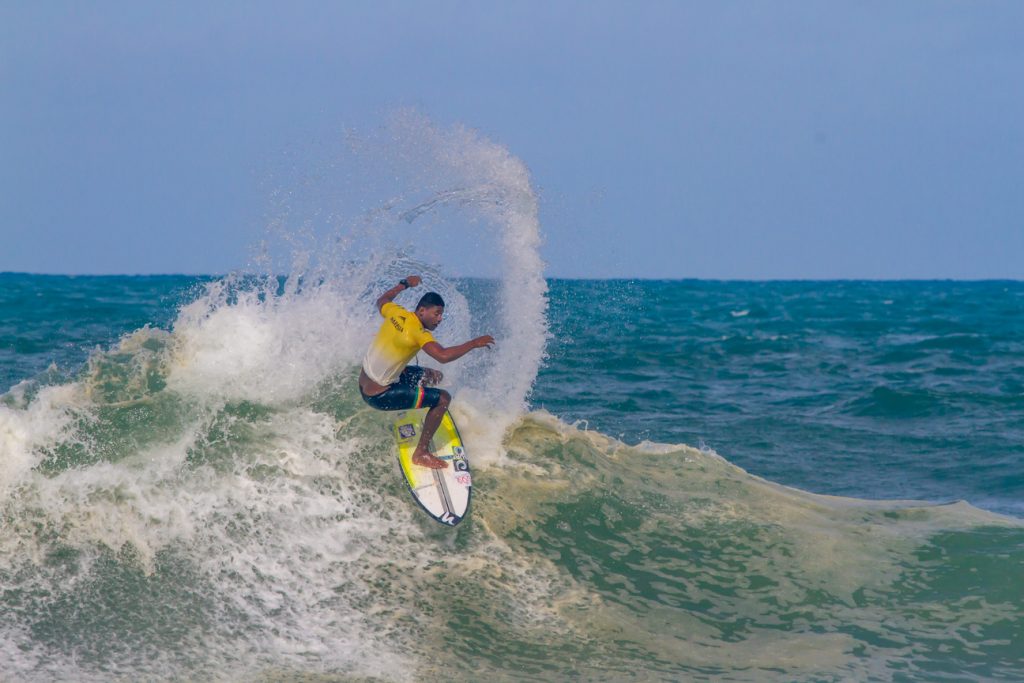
(554, 277)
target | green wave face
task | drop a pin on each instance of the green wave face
(155, 533)
(685, 564)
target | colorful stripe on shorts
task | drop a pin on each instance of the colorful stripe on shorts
(419, 396)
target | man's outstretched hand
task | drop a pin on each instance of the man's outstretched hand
(486, 341)
(413, 280)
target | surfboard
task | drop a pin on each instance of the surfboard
(443, 494)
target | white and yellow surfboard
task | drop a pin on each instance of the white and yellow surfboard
(444, 494)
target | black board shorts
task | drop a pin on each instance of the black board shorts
(407, 393)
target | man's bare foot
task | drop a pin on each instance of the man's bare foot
(427, 459)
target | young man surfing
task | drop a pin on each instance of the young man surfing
(387, 384)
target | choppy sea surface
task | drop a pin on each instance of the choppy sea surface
(679, 480)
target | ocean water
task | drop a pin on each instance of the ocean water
(185, 497)
(674, 481)
(867, 389)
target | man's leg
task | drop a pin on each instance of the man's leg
(422, 455)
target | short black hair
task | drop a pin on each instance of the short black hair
(430, 299)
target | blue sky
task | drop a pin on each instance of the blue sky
(666, 139)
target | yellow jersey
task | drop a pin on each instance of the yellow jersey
(401, 335)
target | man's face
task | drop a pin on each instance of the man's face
(430, 316)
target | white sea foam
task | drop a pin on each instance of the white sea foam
(28, 431)
(272, 531)
(253, 345)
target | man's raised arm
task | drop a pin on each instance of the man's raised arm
(389, 296)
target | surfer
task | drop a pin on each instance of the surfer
(386, 383)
